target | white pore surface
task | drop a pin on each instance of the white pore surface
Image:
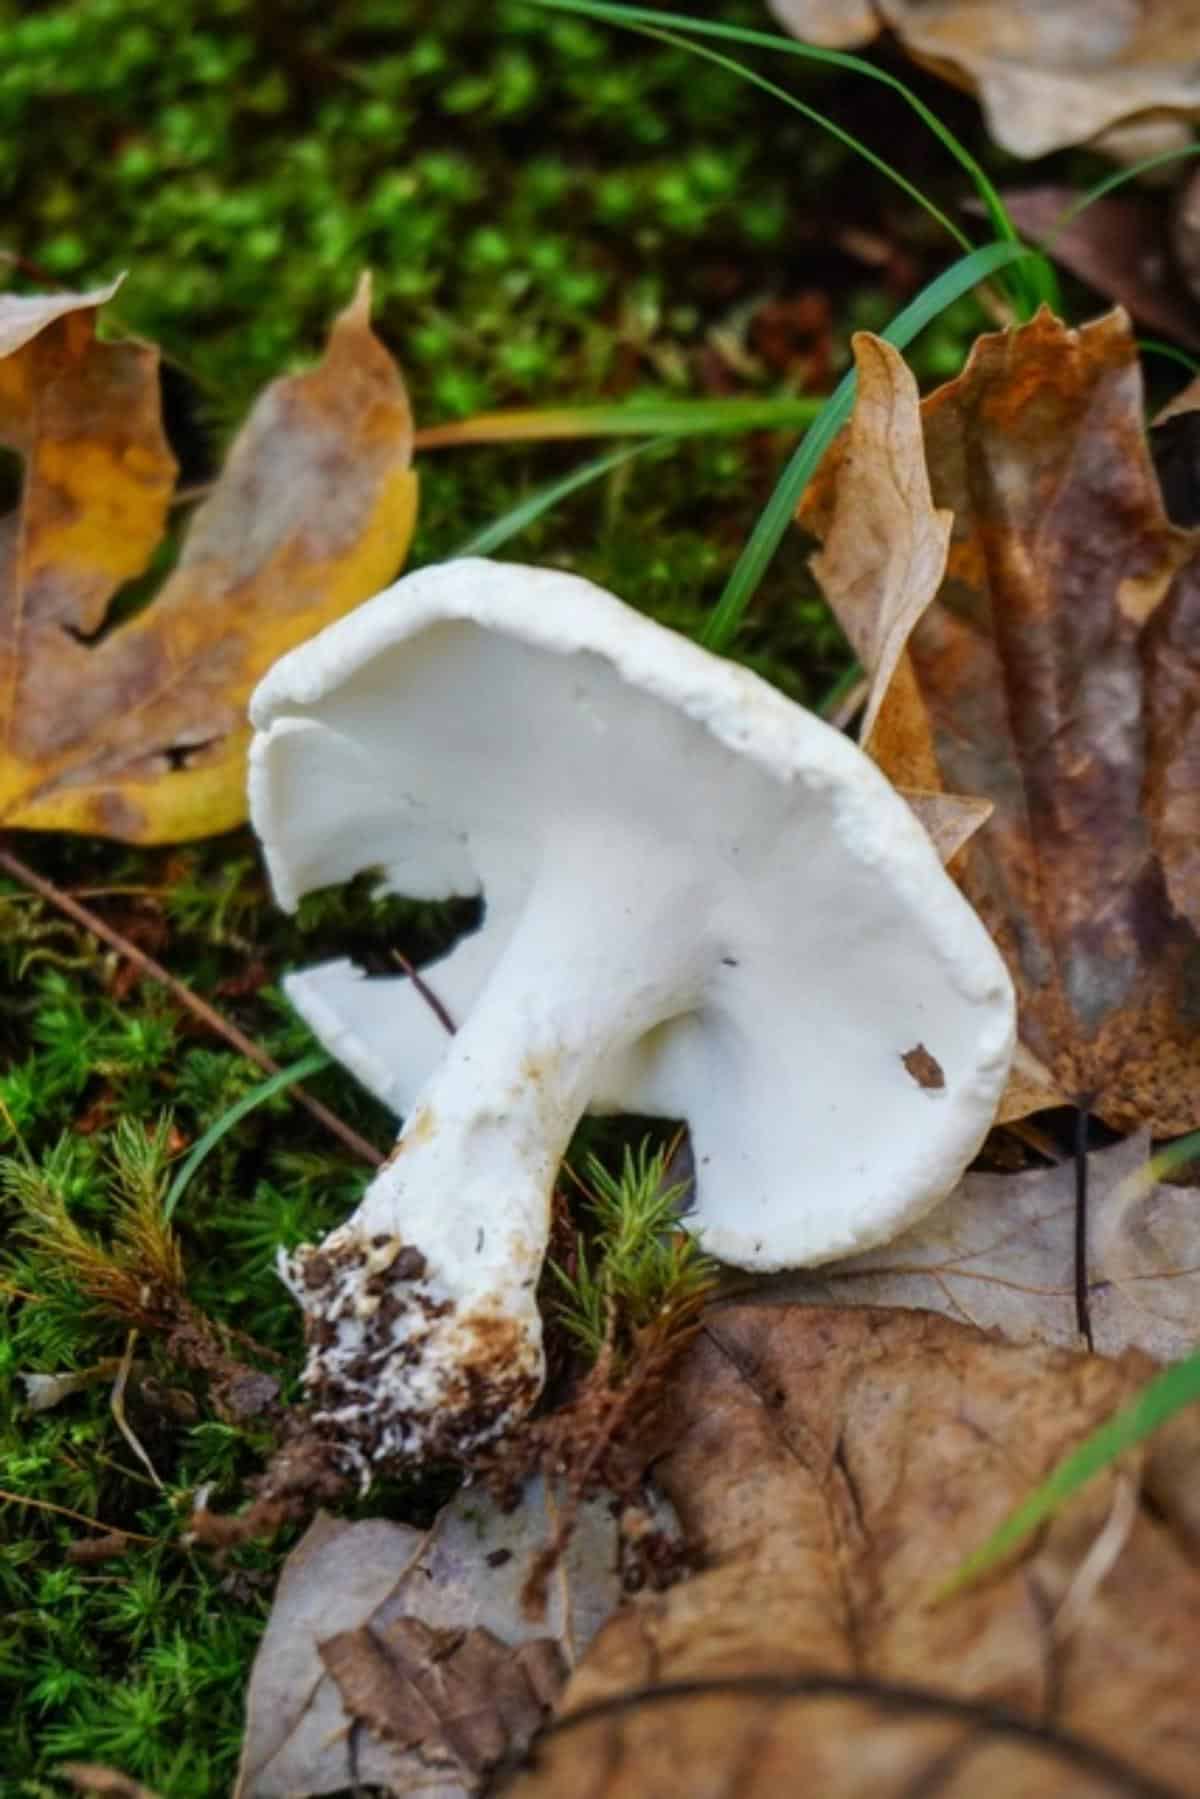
(479, 723)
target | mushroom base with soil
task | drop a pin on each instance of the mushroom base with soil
(421, 1312)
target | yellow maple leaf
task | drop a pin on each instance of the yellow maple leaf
(139, 732)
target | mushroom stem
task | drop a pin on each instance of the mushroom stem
(421, 1309)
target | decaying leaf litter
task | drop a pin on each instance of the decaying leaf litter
(847, 1432)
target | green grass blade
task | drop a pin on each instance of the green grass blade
(631, 418)
(833, 696)
(1114, 181)
(1037, 283)
(780, 509)
(1154, 346)
(257, 1096)
(745, 73)
(1157, 1402)
(510, 524)
(1154, 1169)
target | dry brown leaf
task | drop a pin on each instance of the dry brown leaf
(999, 1254)
(425, 1640)
(884, 543)
(89, 1777)
(24, 316)
(1118, 245)
(837, 1466)
(832, 24)
(1183, 232)
(951, 819)
(883, 556)
(1048, 72)
(139, 732)
(467, 1691)
(1058, 675)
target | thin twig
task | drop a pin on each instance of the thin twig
(117, 1407)
(20, 1293)
(199, 1008)
(65, 1511)
(1083, 1313)
(89, 1777)
(427, 994)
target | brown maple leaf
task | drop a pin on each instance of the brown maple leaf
(138, 731)
(1057, 674)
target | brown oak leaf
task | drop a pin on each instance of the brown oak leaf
(883, 555)
(884, 542)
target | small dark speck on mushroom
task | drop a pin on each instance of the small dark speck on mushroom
(479, 1241)
(925, 1069)
(729, 962)
(498, 1557)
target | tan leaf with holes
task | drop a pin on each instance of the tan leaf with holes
(138, 731)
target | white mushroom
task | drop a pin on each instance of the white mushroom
(701, 903)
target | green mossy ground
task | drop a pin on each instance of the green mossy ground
(552, 213)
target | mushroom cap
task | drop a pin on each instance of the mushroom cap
(478, 719)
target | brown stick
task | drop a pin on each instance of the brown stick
(65, 1511)
(427, 994)
(199, 1008)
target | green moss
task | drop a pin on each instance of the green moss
(140, 1661)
